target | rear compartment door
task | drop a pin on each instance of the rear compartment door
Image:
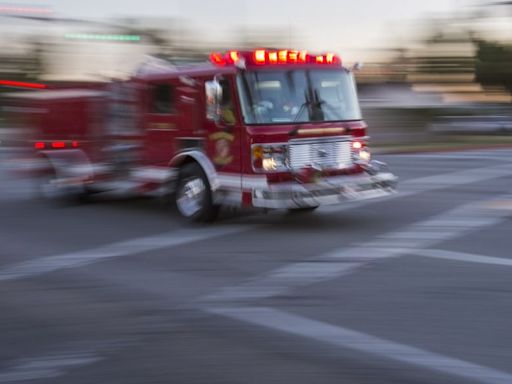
(163, 121)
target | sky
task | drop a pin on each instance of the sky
(352, 25)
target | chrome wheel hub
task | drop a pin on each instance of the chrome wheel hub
(190, 197)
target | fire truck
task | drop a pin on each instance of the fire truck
(270, 129)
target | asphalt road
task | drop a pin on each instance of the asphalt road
(412, 289)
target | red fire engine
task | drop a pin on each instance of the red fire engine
(266, 129)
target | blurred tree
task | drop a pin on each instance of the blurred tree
(494, 64)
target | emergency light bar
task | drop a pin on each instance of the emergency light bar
(273, 57)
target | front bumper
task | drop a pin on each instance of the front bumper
(328, 191)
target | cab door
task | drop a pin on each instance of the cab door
(224, 136)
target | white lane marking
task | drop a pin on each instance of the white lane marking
(283, 279)
(416, 235)
(353, 340)
(455, 223)
(452, 224)
(329, 266)
(467, 176)
(420, 185)
(496, 154)
(125, 248)
(462, 256)
(80, 258)
(47, 367)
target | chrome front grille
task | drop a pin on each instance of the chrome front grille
(331, 153)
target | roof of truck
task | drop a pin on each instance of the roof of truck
(155, 69)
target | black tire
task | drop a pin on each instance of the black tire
(193, 196)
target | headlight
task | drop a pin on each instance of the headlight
(365, 155)
(270, 165)
(269, 158)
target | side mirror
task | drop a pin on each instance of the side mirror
(357, 66)
(213, 91)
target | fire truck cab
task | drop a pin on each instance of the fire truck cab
(266, 128)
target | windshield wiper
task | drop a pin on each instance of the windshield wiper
(307, 103)
(315, 103)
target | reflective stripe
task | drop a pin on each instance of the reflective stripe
(232, 180)
(156, 174)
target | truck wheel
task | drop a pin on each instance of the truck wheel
(47, 189)
(194, 196)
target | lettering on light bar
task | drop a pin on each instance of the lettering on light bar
(273, 57)
(21, 84)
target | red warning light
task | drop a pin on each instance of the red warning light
(283, 57)
(260, 56)
(75, 144)
(218, 59)
(303, 57)
(39, 145)
(221, 60)
(357, 145)
(272, 57)
(58, 144)
(234, 56)
(293, 57)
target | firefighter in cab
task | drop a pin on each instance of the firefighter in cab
(227, 107)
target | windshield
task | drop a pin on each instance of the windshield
(301, 96)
